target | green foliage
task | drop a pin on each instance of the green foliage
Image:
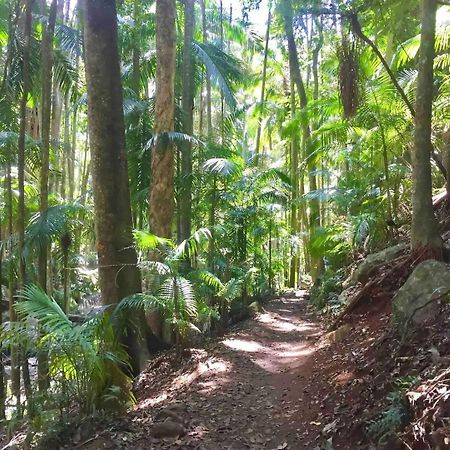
(325, 293)
(85, 360)
(395, 417)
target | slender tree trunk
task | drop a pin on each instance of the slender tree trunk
(263, 86)
(356, 27)
(317, 264)
(2, 367)
(21, 175)
(66, 175)
(212, 224)
(188, 122)
(294, 225)
(15, 375)
(208, 78)
(119, 274)
(446, 138)
(306, 131)
(161, 192)
(15, 364)
(46, 114)
(424, 233)
(136, 50)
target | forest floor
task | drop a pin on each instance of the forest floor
(277, 381)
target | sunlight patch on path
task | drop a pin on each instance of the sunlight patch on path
(243, 345)
(285, 325)
(279, 341)
(217, 368)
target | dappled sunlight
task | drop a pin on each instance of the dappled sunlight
(243, 346)
(279, 340)
(284, 325)
(217, 368)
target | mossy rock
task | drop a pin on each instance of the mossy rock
(413, 301)
(362, 273)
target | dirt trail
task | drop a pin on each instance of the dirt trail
(269, 384)
(255, 402)
(248, 393)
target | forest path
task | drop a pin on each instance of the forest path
(251, 391)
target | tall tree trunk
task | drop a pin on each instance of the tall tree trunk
(161, 192)
(188, 122)
(263, 85)
(208, 78)
(2, 367)
(119, 274)
(317, 264)
(294, 225)
(306, 131)
(424, 233)
(356, 28)
(21, 173)
(46, 114)
(136, 50)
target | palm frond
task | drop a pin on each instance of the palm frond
(37, 304)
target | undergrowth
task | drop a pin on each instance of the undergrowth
(325, 293)
(397, 414)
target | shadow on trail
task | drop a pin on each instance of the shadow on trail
(247, 392)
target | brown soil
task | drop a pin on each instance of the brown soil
(278, 381)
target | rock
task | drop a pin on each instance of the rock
(334, 337)
(362, 273)
(174, 412)
(256, 308)
(167, 429)
(429, 279)
(168, 414)
(346, 295)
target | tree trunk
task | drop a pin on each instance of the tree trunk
(119, 275)
(2, 367)
(161, 192)
(317, 264)
(294, 225)
(46, 114)
(424, 233)
(188, 123)
(136, 51)
(21, 173)
(263, 86)
(208, 78)
(296, 75)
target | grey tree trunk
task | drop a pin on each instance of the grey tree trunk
(208, 78)
(314, 219)
(263, 85)
(21, 178)
(424, 233)
(46, 114)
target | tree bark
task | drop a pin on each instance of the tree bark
(46, 114)
(208, 78)
(21, 175)
(424, 231)
(263, 86)
(118, 271)
(296, 76)
(188, 122)
(161, 192)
